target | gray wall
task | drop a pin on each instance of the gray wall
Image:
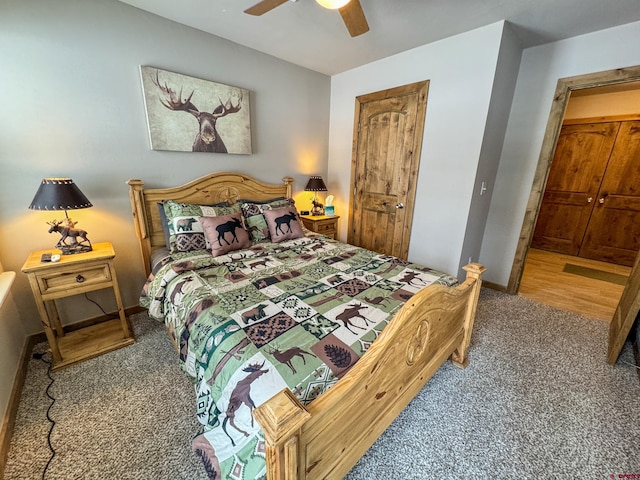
(540, 70)
(462, 73)
(497, 118)
(72, 106)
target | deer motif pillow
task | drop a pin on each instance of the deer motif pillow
(283, 223)
(225, 233)
(185, 231)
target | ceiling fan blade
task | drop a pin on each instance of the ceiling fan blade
(264, 6)
(354, 18)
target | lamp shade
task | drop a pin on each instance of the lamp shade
(59, 194)
(315, 184)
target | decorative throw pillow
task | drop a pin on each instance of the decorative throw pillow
(283, 223)
(165, 226)
(185, 231)
(254, 218)
(225, 233)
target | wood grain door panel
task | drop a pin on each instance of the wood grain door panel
(577, 170)
(613, 233)
(387, 144)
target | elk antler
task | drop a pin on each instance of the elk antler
(227, 108)
(173, 101)
(55, 223)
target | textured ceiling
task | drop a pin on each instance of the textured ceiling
(308, 35)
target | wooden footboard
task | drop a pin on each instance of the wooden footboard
(326, 438)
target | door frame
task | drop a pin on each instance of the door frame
(560, 99)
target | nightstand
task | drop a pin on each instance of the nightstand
(73, 275)
(322, 224)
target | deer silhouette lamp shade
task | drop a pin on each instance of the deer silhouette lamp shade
(63, 194)
(316, 184)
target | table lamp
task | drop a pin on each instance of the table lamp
(316, 184)
(63, 194)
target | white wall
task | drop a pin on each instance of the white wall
(461, 71)
(72, 106)
(540, 70)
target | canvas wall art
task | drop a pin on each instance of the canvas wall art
(189, 114)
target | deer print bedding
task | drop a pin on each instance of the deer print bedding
(295, 314)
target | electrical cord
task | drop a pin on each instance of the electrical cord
(96, 303)
(40, 356)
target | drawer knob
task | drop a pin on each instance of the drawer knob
(79, 278)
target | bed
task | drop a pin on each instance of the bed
(301, 351)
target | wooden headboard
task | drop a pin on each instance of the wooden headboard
(210, 189)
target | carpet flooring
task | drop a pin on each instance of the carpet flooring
(537, 401)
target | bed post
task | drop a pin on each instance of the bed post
(281, 418)
(474, 273)
(140, 221)
(288, 181)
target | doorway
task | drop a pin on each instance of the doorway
(561, 98)
(629, 304)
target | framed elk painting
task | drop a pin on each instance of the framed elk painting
(189, 114)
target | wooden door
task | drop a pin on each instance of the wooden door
(613, 232)
(625, 314)
(387, 143)
(577, 170)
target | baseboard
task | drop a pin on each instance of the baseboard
(9, 420)
(494, 286)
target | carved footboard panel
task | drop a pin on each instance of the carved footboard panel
(325, 439)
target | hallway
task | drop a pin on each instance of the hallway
(575, 284)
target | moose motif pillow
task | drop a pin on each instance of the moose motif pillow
(283, 223)
(255, 220)
(185, 232)
(225, 233)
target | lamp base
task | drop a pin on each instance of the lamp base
(72, 249)
(317, 209)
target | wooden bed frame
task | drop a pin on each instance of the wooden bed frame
(325, 439)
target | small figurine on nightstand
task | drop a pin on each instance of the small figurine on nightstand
(68, 242)
(317, 208)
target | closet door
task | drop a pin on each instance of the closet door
(613, 232)
(580, 160)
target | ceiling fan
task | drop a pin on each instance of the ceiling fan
(351, 12)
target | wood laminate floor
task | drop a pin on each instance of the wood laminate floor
(593, 289)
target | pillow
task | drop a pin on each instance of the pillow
(283, 223)
(225, 233)
(165, 226)
(185, 231)
(254, 218)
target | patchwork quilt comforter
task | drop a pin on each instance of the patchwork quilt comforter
(295, 315)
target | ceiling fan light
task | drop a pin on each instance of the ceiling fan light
(333, 4)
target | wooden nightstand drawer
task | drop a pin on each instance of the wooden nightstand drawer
(73, 277)
(326, 227)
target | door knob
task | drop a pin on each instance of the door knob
(400, 205)
(590, 199)
(601, 200)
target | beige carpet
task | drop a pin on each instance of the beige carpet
(538, 401)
